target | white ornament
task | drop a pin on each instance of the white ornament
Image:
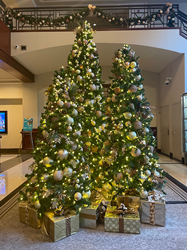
(131, 105)
(58, 175)
(139, 97)
(86, 195)
(156, 173)
(68, 172)
(146, 159)
(140, 87)
(45, 176)
(77, 196)
(69, 128)
(88, 71)
(63, 154)
(92, 87)
(146, 130)
(47, 162)
(74, 147)
(143, 194)
(37, 204)
(79, 78)
(135, 152)
(147, 172)
(74, 163)
(70, 120)
(138, 78)
(127, 115)
(132, 135)
(60, 103)
(77, 133)
(77, 186)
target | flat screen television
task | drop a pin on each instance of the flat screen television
(3, 122)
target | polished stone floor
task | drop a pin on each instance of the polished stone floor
(15, 176)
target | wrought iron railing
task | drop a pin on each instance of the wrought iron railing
(104, 17)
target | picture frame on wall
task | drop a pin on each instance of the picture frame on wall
(3, 122)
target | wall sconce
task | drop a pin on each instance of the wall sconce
(168, 80)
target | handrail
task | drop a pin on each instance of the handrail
(105, 17)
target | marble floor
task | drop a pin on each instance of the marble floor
(15, 176)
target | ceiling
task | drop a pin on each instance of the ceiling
(46, 60)
(7, 78)
(45, 3)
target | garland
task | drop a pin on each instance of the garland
(167, 9)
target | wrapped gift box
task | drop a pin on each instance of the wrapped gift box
(59, 227)
(153, 213)
(129, 201)
(28, 215)
(128, 223)
(89, 216)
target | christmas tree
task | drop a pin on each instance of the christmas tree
(130, 163)
(70, 132)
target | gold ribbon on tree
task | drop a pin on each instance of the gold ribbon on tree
(91, 9)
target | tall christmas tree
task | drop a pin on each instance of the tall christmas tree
(130, 163)
(70, 130)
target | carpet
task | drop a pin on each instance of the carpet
(18, 236)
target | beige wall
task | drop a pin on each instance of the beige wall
(15, 115)
(171, 94)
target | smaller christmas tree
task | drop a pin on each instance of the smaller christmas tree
(130, 164)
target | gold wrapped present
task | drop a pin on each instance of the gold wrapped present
(126, 223)
(59, 227)
(153, 213)
(89, 216)
(129, 201)
(28, 215)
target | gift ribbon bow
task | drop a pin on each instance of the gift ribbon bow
(152, 213)
(91, 9)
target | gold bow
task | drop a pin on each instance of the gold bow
(91, 9)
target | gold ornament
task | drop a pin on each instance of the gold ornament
(137, 125)
(93, 123)
(133, 89)
(94, 149)
(117, 90)
(58, 175)
(98, 113)
(89, 133)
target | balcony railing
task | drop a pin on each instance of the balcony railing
(104, 17)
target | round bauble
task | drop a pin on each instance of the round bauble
(118, 177)
(74, 147)
(58, 175)
(45, 133)
(128, 123)
(54, 119)
(114, 98)
(92, 87)
(138, 77)
(132, 135)
(146, 159)
(147, 172)
(133, 64)
(117, 90)
(67, 104)
(133, 89)
(132, 70)
(34, 179)
(143, 142)
(107, 187)
(74, 163)
(137, 125)
(75, 112)
(140, 87)
(107, 143)
(103, 126)
(151, 148)
(68, 172)
(77, 133)
(47, 162)
(86, 194)
(126, 64)
(81, 99)
(63, 154)
(60, 103)
(77, 186)
(146, 130)
(69, 128)
(131, 105)
(79, 78)
(127, 115)
(70, 120)
(37, 204)
(143, 194)
(88, 71)
(120, 126)
(77, 196)
(45, 176)
(80, 109)
(156, 173)
(139, 97)
(98, 113)
(135, 152)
